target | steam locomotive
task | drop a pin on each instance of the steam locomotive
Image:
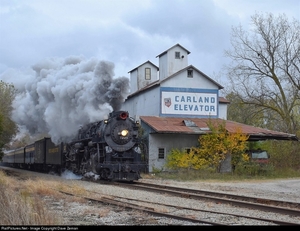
(110, 149)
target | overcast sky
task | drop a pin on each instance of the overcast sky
(69, 59)
(125, 32)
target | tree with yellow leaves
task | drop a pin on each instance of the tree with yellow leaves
(212, 151)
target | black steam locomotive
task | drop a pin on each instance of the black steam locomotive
(109, 148)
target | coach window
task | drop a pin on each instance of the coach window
(161, 153)
(147, 73)
(190, 73)
(177, 55)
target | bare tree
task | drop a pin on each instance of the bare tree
(244, 113)
(264, 71)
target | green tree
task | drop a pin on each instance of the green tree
(283, 154)
(265, 70)
(1, 132)
(8, 128)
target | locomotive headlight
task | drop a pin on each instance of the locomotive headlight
(123, 132)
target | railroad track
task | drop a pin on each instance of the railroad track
(151, 207)
(263, 204)
(145, 209)
(288, 204)
(171, 211)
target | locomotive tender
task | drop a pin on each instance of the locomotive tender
(109, 148)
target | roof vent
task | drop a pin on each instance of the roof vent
(189, 123)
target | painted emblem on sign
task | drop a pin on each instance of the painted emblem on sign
(168, 102)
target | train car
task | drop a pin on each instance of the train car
(19, 160)
(9, 158)
(109, 148)
(39, 154)
(54, 156)
(47, 156)
(29, 152)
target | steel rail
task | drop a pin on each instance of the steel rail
(226, 195)
(240, 203)
(278, 222)
(110, 201)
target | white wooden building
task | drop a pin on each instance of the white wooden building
(173, 103)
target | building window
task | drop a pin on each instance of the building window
(190, 73)
(161, 153)
(147, 73)
(177, 55)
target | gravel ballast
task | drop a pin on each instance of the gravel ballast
(79, 212)
(91, 214)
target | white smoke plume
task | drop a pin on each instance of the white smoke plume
(61, 94)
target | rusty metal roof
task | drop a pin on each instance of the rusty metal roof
(200, 126)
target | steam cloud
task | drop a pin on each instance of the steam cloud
(60, 95)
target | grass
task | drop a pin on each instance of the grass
(21, 202)
(21, 209)
(254, 173)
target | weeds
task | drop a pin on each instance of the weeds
(241, 173)
(24, 202)
(20, 203)
(23, 208)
